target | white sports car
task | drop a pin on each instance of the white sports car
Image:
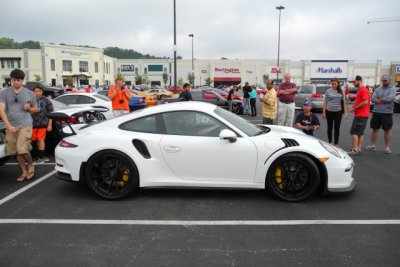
(195, 144)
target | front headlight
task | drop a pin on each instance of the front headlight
(331, 149)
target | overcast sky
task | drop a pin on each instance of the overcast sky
(242, 29)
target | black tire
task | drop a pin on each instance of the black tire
(293, 177)
(236, 109)
(111, 175)
(396, 108)
(162, 97)
(99, 116)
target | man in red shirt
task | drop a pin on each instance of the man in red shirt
(120, 97)
(361, 113)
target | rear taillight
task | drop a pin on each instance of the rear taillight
(317, 95)
(72, 120)
(64, 143)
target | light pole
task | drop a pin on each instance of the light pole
(279, 40)
(175, 90)
(192, 35)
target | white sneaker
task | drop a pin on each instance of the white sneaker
(387, 151)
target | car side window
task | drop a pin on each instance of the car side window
(144, 125)
(68, 99)
(192, 123)
(82, 99)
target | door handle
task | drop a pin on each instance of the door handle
(173, 149)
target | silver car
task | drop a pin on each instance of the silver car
(313, 93)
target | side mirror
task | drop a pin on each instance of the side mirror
(228, 135)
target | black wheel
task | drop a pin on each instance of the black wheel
(162, 97)
(112, 175)
(396, 108)
(236, 109)
(293, 177)
(99, 116)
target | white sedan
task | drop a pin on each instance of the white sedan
(87, 100)
(196, 144)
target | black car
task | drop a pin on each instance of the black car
(48, 91)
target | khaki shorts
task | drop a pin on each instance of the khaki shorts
(19, 142)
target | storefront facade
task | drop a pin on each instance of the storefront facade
(56, 64)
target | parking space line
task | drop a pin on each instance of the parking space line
(200, 223)
(32, 184)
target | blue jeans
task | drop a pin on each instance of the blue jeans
(246, 108)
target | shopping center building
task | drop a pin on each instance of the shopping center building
(55, 64)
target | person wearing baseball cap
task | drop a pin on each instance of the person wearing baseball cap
(306, 121)
(382, 114)
(360, 108)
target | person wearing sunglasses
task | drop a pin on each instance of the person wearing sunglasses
(16, 106)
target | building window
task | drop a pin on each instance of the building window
(83, 66)
(52, 64)
(165, 69)
(96, 67)
(2, 64)
(136, 71)
(145, 70)
(19, 64)
(67, 65)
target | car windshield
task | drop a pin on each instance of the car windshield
(102, 97)
(242, 124)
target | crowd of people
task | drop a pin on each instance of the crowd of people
(24, 113)
(279, 103)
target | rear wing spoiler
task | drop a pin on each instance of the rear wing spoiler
(65, 114)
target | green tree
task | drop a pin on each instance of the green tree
(146, 81)
(180, 81)
(37, 78)
(69, 81)
(208, 81)
(165, 78)
(190, 77)
(139, 79)
(119, 76)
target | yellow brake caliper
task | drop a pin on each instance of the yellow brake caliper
(125, 178)
(278, 177)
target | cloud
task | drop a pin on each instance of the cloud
(240, 29)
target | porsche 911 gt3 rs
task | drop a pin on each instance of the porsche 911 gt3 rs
(195, 144)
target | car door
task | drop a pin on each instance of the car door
(194, 154)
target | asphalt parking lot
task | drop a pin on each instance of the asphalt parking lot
(47, 221)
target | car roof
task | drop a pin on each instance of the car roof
(182, 105)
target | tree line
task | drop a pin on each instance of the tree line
(115, 52)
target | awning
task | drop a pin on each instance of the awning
(227, 79)
(78, 75)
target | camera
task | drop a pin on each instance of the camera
(121, 101)
(310, 128)
(122, 87)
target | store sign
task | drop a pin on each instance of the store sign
(227, 70)
(397, 69)
(203, 71)
(127, 67)
(74, 53)
(276, 70)
(328, 69)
